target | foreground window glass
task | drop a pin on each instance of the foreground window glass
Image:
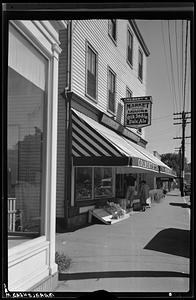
(103, 183)
(26, 138)
(83, 189)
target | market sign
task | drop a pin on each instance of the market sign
(137, 111)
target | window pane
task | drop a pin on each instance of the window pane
(91, 74)
(130, 48)
(129, 93)
(112, 28)
(103, 182)
(25, 142)
(83, 187)
(111, 91)
(140, 65)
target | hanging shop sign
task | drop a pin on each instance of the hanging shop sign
(137, 111)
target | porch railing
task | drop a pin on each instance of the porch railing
(11, 214)
(14, 215)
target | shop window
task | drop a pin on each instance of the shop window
(130, 48)
(91, 76)
(112, 29)
(83, 187)
(111, 91)
(27, 73)
(140, 65)
(103, 182)
(93, 183)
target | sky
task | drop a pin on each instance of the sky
(165, 82)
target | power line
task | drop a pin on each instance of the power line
(184, 94)
(182, 55)
(171, 59)
(168, 77)
(178, 73)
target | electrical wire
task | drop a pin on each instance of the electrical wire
(167, 67)
(178, 73)
(182, 25)
(171, 60)
(184, 93)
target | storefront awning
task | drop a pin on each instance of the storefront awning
(95, 144)
(164, 170)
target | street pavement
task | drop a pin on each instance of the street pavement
(148, 252)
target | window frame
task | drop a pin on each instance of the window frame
(142, 65)
(109, 70)
(113, 38)
(130, 33)
(128, 90)
(89, 46)
(46, 138)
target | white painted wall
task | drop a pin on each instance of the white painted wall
(109, 54)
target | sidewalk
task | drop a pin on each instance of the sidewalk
(146, 252)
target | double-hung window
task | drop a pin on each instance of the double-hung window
(112, 29)
(130, 48)
(140, 65)
(111, 91)
(91, 76)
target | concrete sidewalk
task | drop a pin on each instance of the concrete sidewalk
(148, 252)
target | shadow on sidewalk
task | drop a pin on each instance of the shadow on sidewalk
(183, 205)
(172, 241)
(119, 274)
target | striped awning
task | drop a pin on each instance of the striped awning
(164, 170)
(95, 144)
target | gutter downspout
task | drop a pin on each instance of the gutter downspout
(67, 94)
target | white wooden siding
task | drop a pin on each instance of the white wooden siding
(109, 54)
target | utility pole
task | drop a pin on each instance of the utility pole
(183, 118)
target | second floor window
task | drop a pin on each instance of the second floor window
(111, 90)
(112, 29)
(129, 93)
(91, 76)
(140, 65)
(130, 48)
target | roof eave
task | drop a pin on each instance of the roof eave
(139, 36)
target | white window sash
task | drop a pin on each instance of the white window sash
(26, 60)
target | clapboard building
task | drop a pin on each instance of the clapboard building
(102, 61)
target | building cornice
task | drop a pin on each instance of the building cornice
(139, 36)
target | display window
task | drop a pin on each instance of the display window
(103, 182)
(83, 183)
(93, 182)
(26, 132)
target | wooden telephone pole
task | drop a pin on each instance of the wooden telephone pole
(183, 118)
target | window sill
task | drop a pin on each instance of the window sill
(91, 98)
(111, 113)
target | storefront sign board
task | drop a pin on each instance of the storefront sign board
(144, 164)
(137, 111)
